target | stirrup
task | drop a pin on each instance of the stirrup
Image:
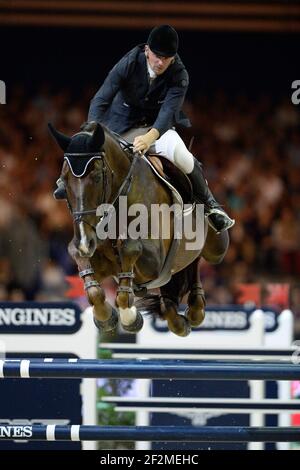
(227, 221)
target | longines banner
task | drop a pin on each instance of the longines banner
(39, 317)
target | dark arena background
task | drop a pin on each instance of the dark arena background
(244, 104)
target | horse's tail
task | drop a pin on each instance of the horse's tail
(149, 305)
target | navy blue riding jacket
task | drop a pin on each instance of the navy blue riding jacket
(126, 99)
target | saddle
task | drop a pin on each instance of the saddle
(169, 173)
(173, 175)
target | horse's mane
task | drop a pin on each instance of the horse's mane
(112, 136)
(91, 126)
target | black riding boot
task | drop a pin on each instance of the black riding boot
(60, 192)
(216, 216)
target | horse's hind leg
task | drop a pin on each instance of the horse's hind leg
(172, 293)
(131, 319)
(216, 246)
(195, 311)
(177, 323)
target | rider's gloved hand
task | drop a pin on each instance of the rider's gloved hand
(143, 142)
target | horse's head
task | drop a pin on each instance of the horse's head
(84, 177)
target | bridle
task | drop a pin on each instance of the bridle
(78, 215)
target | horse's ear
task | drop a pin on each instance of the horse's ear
(98, 136)
(62, 140)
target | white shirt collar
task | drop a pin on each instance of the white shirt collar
(150, 71)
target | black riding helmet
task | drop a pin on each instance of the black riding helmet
(163, 41)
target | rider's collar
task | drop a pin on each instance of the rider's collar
(79, 162)
(152, 74)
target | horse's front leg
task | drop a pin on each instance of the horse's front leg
(105, 316)
(129, 252)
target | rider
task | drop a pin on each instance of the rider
(141, 100)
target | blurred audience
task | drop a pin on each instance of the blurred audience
(250, 148)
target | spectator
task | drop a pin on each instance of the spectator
(251, 149)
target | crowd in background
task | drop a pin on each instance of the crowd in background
(250, 148)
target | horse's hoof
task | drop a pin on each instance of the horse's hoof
(195, 319)
(187, 328)
(110, 324)
(136, 326)
(182, 329)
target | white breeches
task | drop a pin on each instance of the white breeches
(169, 145)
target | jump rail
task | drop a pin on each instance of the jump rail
(152, 433)
(151, 369)
(133, 350)
(200, 405)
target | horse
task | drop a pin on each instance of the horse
(98, 170)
